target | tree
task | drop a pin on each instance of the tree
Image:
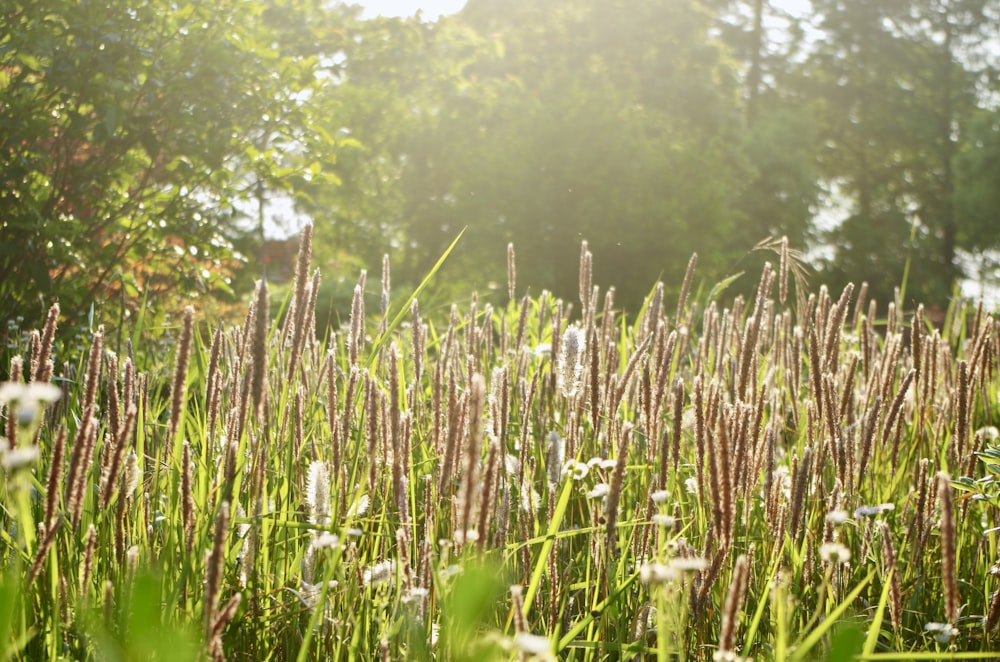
(624, 132)
(898, 89)
(130, 136)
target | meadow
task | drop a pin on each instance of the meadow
(790, 476)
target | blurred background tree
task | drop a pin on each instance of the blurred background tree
(143, 150)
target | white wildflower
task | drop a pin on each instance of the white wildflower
(19, 458)
(868, 511)
(415, 595)
(576, 470)
(34, 393)
(532, 644)
(691, 485)
(666, 521)
(326, 540)
(689, 564)
(837, 517)
(511, 464)
(834, 552)
(451, 571)
(660, 496)
(379, 573)
(989, 432)
(601, 463)
(359, 507)
(942, 632)
(28, 398)
(657, 573)
(542, 350)
(599, 492)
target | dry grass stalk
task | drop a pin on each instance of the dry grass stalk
(215, 562)
(115, 455)
(471, 458)
(52, 480)
(949, 571)
(79, 465)
(511, 272)
(889, 561)
(178, 384)
(586, 276)
(800, 485)
(679, 318)
(88, 560)
(960, 441)
(187, 496)
(487, 500)
(259, 350)
(355, 339)
(616, 484)
(41, 366)
(734, 603)
(93, 370)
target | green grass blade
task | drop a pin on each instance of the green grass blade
(543, 555)
(876, 626)
(404, 310)
(820, 630)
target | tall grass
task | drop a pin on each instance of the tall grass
(768, 478)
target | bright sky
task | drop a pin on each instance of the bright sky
(434, 8)
(431, 8)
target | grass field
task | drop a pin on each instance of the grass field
(787, 477)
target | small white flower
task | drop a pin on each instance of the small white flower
(511, 464)
(868, 511)
(468, 536)
(601, 463)
(657, 573)
(532, 644)
(576, 470)
(326, 540)
(27, 398)
(599, 492)
(989, 432)
(689, 564)
(834, 552)
(837, 517)
(35, 392)
(18, 458)
(666, 521)
(542, 350)
(379, 573)
(414, 595)
(942, 632)
(660, 496)
(359, 507)
(691, 485)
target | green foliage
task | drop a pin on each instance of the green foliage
(132, 138)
